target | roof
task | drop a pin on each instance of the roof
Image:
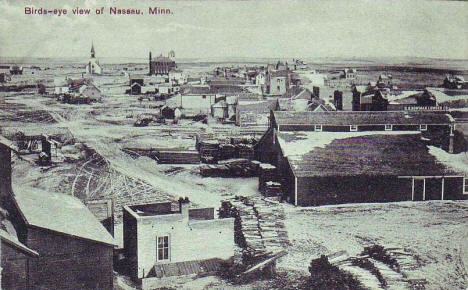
(341, 118)
(323, 154)
(162, 58)
(197, 89)
(60, 213)
(303, 94)
(12, 240)
(185, 268)
(260, 106)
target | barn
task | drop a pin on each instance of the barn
(331, 167)
(75, 250)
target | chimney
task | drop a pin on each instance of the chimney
(184, 204)
(316, 92)
(150, 58)
(451, 140)
(338, 100)
(5, 173)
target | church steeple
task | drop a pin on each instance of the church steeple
(93, 53)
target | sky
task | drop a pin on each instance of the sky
(204, 29)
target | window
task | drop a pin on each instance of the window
(162, 248)
(465, 186)
(353, 128)
(388, 127)
(318, 128)
(423, 127)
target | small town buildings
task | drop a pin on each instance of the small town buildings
(158, 238)
(455, 82)
(349, 73)
(278, 85)
(225, 108)
(230, 85)
(193, 104)
(93, 67)
(365, 99)
(219, 110)
(90, 91)
(61, 86)
(260, 79)
(75, 250)
(413, 100)
(162, 65)
(327, 158)
(278, 80)
(255, 113)
(4, 77)
(16, 70)
(177, 76)
(136, 84)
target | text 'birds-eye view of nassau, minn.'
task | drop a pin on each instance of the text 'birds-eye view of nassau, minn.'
(234, 145)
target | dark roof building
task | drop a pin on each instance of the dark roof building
(365, 121)
(75, 250)
(340, 157)
(341, 167)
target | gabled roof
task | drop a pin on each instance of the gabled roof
(303, 94)
(341, 118)
(197, 89)
(13, 241)
(322, 154)
(60, 213)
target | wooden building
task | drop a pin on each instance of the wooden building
(136, 83)
(326, 158)
(75, 250)
(368, 100)
(424, 100)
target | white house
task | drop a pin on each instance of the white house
(60, 86)
(177, 76)
(260, 79)
(278, 85)
(156, 236)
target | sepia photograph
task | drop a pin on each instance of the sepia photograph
(234, 144)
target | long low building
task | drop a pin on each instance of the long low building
(320, 167)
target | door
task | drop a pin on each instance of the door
(418, 190)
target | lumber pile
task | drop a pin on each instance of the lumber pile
(266, 172)
(178, 157)
(262, 224)
(245, 151)
(227, 151)
(229, 168)
(272, 189)
(209, 151)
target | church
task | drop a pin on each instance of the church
(93, 67)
